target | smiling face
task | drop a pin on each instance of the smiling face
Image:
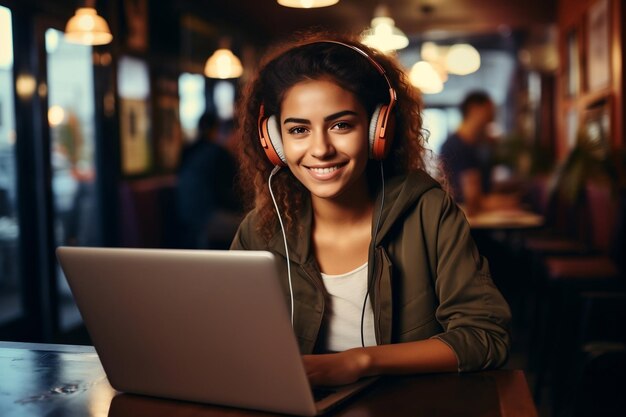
(324, 130)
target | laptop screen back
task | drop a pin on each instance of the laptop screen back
(205, 326)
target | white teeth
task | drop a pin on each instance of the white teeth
(324, 170)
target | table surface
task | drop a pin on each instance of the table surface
(63, 380)
(517, 218)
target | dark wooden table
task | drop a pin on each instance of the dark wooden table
(61, 380)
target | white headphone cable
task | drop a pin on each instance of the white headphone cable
(380, 212)
(282, 228)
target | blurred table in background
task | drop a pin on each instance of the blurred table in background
(505, 219)
(500, 236)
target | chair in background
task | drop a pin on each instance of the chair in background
(565, 233)
(560, 210)
(565, 278)
(597, 376)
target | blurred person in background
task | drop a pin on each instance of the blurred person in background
(73, 184)
(467, 157)
(208, 208)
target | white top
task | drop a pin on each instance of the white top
(346, 293)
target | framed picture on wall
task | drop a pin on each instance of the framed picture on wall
(169, 136)
(133, 87)
(571, 128)
(598, 46)
(134, 135)
(572, 75)
(596, 124)
(136, 24)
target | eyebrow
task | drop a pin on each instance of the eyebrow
(326, 119)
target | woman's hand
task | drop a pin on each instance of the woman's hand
(336, 368)
(422, 356)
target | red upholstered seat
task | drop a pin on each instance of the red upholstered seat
(551, 245)
(603, 222)
(584, 268)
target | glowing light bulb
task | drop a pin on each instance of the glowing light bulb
(462, 59)
(426, 78)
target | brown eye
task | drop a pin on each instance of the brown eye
(342, 126)
(298, 130)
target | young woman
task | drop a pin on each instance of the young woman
(377, 261)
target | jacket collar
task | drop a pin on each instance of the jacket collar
(299, 243)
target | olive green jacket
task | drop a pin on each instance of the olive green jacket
(428, 277)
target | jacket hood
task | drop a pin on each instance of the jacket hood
(401, 194)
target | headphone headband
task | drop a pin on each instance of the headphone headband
(379, 67)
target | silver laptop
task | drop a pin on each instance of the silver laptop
(203, 326)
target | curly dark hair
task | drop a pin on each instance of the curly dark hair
(310, 58)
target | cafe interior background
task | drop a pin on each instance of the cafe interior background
(94, 117)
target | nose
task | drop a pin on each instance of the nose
(321, 145)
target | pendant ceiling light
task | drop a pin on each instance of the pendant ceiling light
(462, 59)
(223, 64)
(430, 74)
(307, 4)
(86, 27)
(425, 77)
(383, 34)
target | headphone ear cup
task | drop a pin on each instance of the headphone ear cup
(373, 131)
(274, 148)
(379, 144)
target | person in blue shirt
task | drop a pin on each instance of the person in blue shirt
(467, 156)
(461, 154)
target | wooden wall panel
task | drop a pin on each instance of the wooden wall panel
(573, 24)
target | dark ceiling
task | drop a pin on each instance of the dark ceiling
(266, 20)
(500, 26)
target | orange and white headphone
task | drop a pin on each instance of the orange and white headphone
(381, 129)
